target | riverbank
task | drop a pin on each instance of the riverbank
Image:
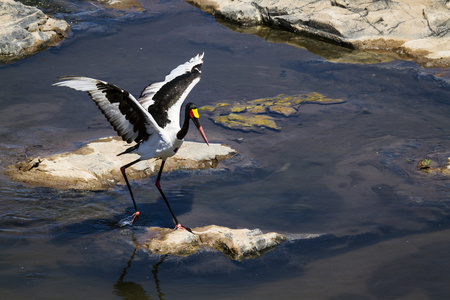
(347, 31)
(418, 31)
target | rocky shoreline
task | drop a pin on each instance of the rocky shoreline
(400, 29)
(414, 30)
(25, 30)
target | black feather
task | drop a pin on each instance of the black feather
(169, 94)
(127, 107)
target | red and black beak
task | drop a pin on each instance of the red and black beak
(193, 113)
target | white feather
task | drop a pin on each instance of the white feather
(147, 94)
(111, 110)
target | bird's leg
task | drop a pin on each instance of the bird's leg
(158, 185)
(122, 169)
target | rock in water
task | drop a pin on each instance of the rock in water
(132, 5)
(237, 244)
(425, 166)
(97, 166)
(25, 30)
(418, 30)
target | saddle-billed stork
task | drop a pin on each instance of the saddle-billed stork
(152, 121)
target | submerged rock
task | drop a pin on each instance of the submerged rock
(418, 30)
(237, 244)
(262, 113)
(25, 30)
(425, 166)
(244, 122)
(132, 5)
(97, 166)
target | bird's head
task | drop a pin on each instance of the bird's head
(193, 114)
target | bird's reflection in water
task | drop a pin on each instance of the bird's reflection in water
(132, 290)
(155, 276)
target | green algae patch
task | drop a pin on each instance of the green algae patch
(207, 108)
(237, 121)
(239, 108)
(317, 98)
(263, 113)
(282, 110)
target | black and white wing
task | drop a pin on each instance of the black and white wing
(129, 119)
(163, 100)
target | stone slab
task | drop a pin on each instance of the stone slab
(236, 244)
(97, 166)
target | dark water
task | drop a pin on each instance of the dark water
(347, 171)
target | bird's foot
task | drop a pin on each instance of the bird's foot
(179, 226)
(135, 217)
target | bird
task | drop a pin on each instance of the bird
(152, 120)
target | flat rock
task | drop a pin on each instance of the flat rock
(418, 30)
(25, 30)
(237, 244)
(97, 166)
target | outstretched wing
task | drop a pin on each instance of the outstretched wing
(129, 119)
(163, 100)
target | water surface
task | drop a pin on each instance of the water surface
(347, 171)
